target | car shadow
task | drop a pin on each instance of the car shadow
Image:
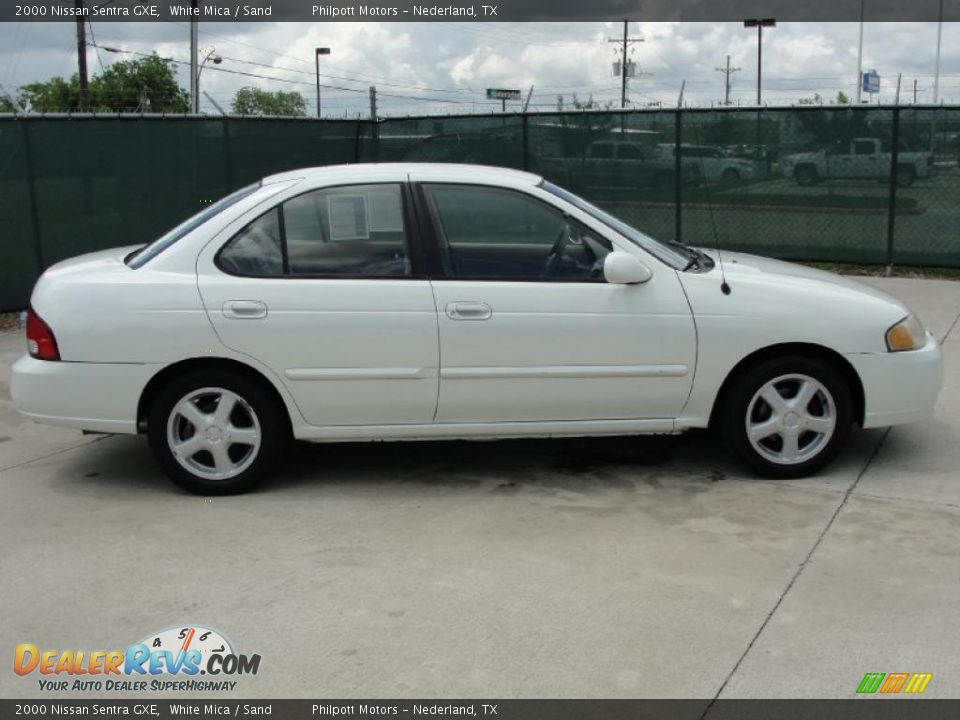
(581, 463)
(123, 466)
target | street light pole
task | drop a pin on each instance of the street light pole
(936, 71)
(860, 56)
(320, 51)
(209, 54)
(759, 24)
(196, 69)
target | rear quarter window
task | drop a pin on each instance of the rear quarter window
(145, 255)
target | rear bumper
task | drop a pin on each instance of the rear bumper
(89, 396)
(899, 387)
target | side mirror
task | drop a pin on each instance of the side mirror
(622, 268)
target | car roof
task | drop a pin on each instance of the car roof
(401, 172)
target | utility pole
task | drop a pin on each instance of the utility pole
(373, 103)
(82, 55)
(194, 51)
(914, 91)
(728, 71)
(860, 56)
(626, 42)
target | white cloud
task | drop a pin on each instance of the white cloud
(451, 64)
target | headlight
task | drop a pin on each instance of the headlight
(908, 334)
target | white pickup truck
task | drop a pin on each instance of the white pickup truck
(865, 159)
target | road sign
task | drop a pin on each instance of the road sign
(501, 94)
(871, 81)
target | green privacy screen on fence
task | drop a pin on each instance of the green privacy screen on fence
(865, 184)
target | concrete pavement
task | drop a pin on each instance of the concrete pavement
(620, 567)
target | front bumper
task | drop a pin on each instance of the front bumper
(102, 397)
(899, 387)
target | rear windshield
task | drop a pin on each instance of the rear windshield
(145, 254)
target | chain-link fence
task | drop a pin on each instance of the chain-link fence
(850, 184)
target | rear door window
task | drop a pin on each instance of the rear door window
(350, 231)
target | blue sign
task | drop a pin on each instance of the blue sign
(871, 81)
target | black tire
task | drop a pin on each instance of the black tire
(823, 448)
(255, 401)
(905, 176)
(730, 177)
(806, 175)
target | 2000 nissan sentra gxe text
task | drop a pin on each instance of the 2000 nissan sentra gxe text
(376, 302)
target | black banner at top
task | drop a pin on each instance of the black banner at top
(487, 11)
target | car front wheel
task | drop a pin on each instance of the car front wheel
(216, 433)
(788, 417)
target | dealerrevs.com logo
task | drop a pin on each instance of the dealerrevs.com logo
(170, 660)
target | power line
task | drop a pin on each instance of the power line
(356, 76)
(216, 68)
(348, 79)
(93, 39)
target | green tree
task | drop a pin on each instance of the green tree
(834, 127)
(125, 85)
(147, 84)
(842, 98)
(55, 95)
(254, 101)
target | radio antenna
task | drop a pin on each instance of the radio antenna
(724, 286)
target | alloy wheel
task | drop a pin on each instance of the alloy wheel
(791, 419)
(213, 433)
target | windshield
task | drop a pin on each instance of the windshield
(671, 256)
(146, 254)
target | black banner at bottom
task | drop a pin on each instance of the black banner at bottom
(874, 708)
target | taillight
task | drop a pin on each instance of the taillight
(41, 343)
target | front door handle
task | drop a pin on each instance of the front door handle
(468, 311)
(245, 309)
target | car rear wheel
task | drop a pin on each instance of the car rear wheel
(905, 176)
(730, 177)
(788, 417)
(216, 433)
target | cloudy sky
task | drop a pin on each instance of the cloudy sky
(444, 67)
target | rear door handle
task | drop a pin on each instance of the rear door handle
(468, 311)
(244, 309)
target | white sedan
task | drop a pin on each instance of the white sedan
(416, 301)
